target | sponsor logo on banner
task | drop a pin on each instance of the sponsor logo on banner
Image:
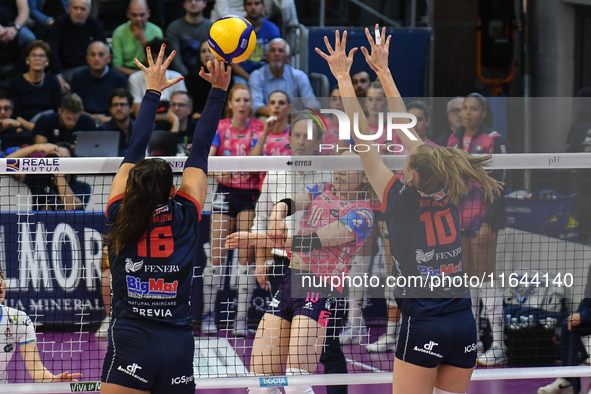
(81, 387)
(9, 348)
(33, 165)
(12, 165)
(269, 382)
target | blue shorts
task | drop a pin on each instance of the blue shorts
(231, 201)
(428, 341)
(313, 306)
(147, 356)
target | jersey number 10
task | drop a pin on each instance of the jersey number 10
(428, 218)
(161, 243)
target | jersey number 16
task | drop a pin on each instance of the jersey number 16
(161, 243)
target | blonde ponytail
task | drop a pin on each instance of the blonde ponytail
(453, 167)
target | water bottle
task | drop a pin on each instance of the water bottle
(523, 321)
(514, 324)
(531, 321)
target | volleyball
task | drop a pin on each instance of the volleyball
(232, 39)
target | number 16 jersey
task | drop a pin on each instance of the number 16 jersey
(152, 280)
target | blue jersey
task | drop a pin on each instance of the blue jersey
(425, 241)
(153, 279)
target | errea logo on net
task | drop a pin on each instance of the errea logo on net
(388, 127)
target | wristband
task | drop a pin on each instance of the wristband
(291, 207)
(305, 243)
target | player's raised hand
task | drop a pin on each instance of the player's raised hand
(155, 73)
(378, 59)
(337, 58)
(219, 74)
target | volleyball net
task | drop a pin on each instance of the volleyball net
(536, 255)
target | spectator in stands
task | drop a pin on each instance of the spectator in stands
(420, 110)
(69, 38)
(179, 117)
(454, 106)
(186, 34)
(275, 10)
(61, 126)
(233, 207)
(130, 39)
(12, 132)
(580, 136)
(265, 32)
(44, 12)
(272, 263)
(120, 103)
(282, 13)
(137, 81)
(198, 87)
(95, 82)
(274, 140)
(13, 17)
(227, 7)
(376, 107)
(572, 350)
(55, 191)
(330, 139)
(361, 81)
(35, 93)
(20, 331)
(277, 75)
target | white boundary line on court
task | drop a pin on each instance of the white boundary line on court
(325, 380)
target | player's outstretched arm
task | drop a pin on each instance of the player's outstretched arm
(340, 65)
(156, 82)
(378, 61)
(194, 181)
(37, 370)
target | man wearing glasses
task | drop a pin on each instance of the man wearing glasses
(178, 117)
(454, 106)
(120, 101)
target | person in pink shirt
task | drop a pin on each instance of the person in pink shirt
(336, 222)
(330, 139)
(233, 205)
(377, 110)
(274, 140)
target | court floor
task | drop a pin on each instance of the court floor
(81, 352)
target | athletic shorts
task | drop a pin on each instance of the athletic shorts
(313, 306)
(144, 355)
(231, 201)
(428, 341)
